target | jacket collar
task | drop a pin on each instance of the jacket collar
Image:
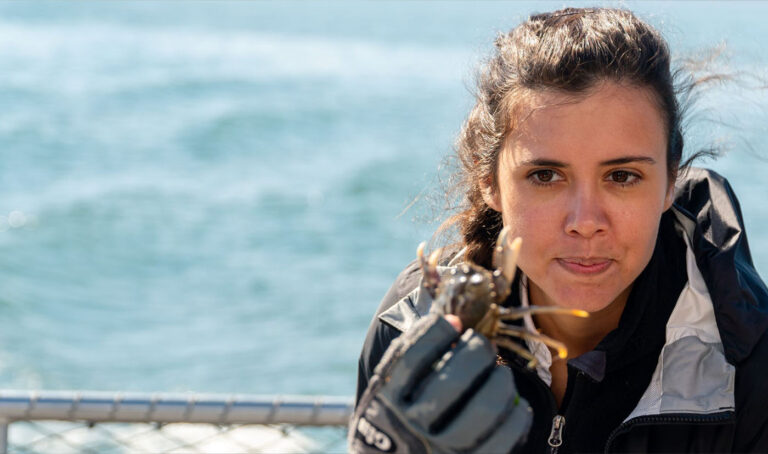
(692, 374)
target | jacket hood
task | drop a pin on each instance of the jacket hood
(719, 241)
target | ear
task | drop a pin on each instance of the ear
(669, 198)
(490, 195)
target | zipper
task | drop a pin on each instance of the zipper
(556, 434)
(715, 418)
(555, 439)
(519, 365)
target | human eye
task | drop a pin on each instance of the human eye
(544, 177)
(623, 178)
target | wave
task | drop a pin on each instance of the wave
(143, 56)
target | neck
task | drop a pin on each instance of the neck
(579, 335)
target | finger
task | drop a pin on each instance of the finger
(456, 375)
(512, 431)
(484, 411)
(454, 321)
(423, 344)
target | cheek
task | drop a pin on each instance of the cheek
(529, 221)
(537, 225)
(635, 237)
(640, 234)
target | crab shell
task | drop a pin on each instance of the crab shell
(471, 292)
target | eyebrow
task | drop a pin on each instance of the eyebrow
(629, 159)
(610, 162)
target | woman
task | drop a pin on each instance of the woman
(575, 144)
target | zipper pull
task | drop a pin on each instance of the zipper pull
(556, 435)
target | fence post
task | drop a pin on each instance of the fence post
(3, 436)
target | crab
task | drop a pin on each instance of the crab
(475, 295)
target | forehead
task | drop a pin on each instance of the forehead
(609, 122)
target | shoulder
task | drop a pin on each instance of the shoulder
(406, 282)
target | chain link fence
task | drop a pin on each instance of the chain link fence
(96, 422)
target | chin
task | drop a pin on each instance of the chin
(587, 298)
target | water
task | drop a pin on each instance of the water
(212, 196)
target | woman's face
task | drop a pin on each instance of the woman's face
(584, 184)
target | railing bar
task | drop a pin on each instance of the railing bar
(226, 412)
(202, 408)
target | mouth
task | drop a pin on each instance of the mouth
(585, 266)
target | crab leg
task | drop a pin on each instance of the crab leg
(429, 269)
(523, 333)
(518, 349)
(506, 313)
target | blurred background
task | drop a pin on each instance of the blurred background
(214, 196)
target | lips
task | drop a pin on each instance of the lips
(587, 266)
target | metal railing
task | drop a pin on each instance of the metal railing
(79, 421)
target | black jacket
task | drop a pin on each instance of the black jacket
(686, 369)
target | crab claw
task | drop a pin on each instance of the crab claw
(431, 278)
(505, 255)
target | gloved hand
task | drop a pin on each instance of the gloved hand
(441, 392)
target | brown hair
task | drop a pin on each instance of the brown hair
(570, 51)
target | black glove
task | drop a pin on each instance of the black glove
(436, 391)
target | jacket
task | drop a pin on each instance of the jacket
(703, 387)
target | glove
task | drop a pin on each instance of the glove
(436, 391)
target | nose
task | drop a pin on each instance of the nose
(587, 216)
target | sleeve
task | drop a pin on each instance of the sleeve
(380, 334)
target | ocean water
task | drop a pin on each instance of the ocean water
(214, 196)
